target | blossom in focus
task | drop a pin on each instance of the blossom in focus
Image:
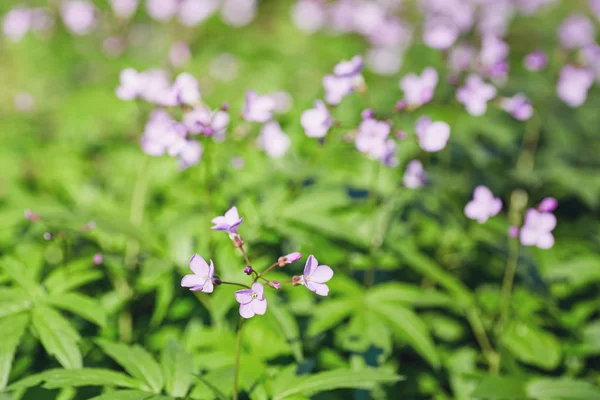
(483, 206)
(432, 136)
(252, 301)
(16, 23)
(315, 276)
(548, 204)
(576, 31)
(273, 140)
(79, 16)
(535, 61)
(124, 8)
(573, 85)
(258, 108)
(418, 90)
(229, 222)
(209, 123)
(179, 54)
(537, 229)
(414, 175)
(518, 106)
(202, 277)
(316, 121)
(475, 94)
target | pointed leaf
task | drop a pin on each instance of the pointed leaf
(11, 331)
(124, 395)
(84, 306)
(532, 345)
(18, 272)
(61, 378)
(177, 368)
(500, 387)
(331, 313)
(562, 389)
(71, 276)
(13, 301)
(57, 335)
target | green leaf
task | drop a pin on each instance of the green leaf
(71, 276)
(84, 306)
(215, 390)
(337, 379)
(137, 361)
(532, 345)
(13, 301)
(11, 331)
(331, 313)
(177, 368)
(565, 389)
(414, 295)
(164, 296)
(288, 325)
(123, 395)
(411, 328)
(499, 387)
(60, 378)
(57, 335)
(18, 272)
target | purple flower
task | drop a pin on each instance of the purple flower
(248, 270)
(238, 13)
(193, 12)
(461, 57)
(41, 19)
(179, 54)
(155, 87)
(275, 285)
(573, 85)
(513, 231)
(535, 61)
(483, 206)
(131, 86)
(162, 10)
(440, 33)
(79, 16)
(209, 123)
(98, 259)
(288, 259)
(316, 121)
(349, 69)
(414, 175)
(367, 114)
(595, 7)
(591, 58)
(273, 140)
(17, 23)
(433, 136)
(518, 106)
(229, 222)
(336, 88)
(493, 52)
(124, 8)
(576, 31)
(309, 15)
(202, 277)
(548, 204)
(372, 137)
(258, 108)
(252, 301)
(385, 61)
(315, 276)
(418, 90)
(537, 229)
(186, 89)
(475, 94)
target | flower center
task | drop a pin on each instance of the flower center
(254, 295)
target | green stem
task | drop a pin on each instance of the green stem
(136, 213)
(507, 283)
(236, 367)
(490, 355)
(266, 270)
(375, 242)
(235, 284)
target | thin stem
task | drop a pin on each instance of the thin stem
(507, 284)
(375, 243)
(491, 356)
(267, 270)
(235, 284)
(236, 367)
(245, 256)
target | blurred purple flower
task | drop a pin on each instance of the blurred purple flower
(518, 106)
(336, 88)
(548, 204)
(273, 140)
(349, 69)
(492, 55)
(179, 54)
(372, 138)
(162, 10)
(113, 46)
(392, 32)
(440, 33)
(461, 58)
(238, 13)
(535, 61)
(124, 8)
(367, 16)
(98, 259)
(576, 31)
(186, 89)
(573, 85)
(537, 229)
(385, 61)
(41, 19)
(131, 85)
(475, 94)
(414, 175)
(595, 7)
(483, 206)
(202, 277)
(258, 108)
(591, 58)
(275, 285)
(316, 121)
(209, 123)
(252, 301)
(432, 136)
(418, 90)
(24, 102)
(155, 87)
(229, 222)
(79, 16)
(309, 15)
(283, 101)
(17, 23)
(513, 231)
(315, 276)
(193, 12)
(367, 114)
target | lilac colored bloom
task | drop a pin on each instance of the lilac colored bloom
(189, 154)
(152, 85)
(535, 61)
(493, 55)
(179, 54)
(124, 8)
(41, 19)
(483, 206)
(252, 301)
(132, 84)
(401, 135)
(186, 89)
(283, 101)
(17, 23)
(418, 90)
(372, 137)
(367, 114)
(315, 276)
(414, 175)
(385, 61)
(537, 229)
(316, 121)
(229, 222)
(98, 259)
(595, 7)
(349, 69)
(336, 88)
(367, 17)
(24, 102)
(392, 32)
(202, 277)
(248, 270)
(288, 259)
(440, 34)
(79, 16)
(209, 123)
(309, 15)
(275, 285)
(258, 108)
(573, 85)
(400, 105)
(113, 46)
(576, 31)
(518, 106)
(433, 136)
(591, 58)
(238, 13)
(513, 231)
(475, 94)
(548, 204)
(193, 12)
(461, 58)
(162, 10)
(273, 140)
(47, 236)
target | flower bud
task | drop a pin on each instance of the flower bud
(225, 106)
(98, 259)
(30, 215)
(400, 105)
(401, 135)
(290, 258)
(248, 270)
(296, 280)
(275, 285)
(513, 231)
(549, 204)
(216, 280)
(237, 240)
(368, 114)
(47, 236)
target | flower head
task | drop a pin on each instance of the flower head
(124, 8)
(576, 31)
(475, 94)
(418, 90)
(483, 206)
(79, 16)
(229, 222)
(209, 123)
(548, 204)
(535, 61)
(98, 259)
(252, 301)
(336, 88)
(131, 85)
(537, 229)
(372, 137)
(186, 89)
(349, 69)
(315, 276)
(258, 108)
(433, 136)
(273, 140)
(414, 175)
(573, 85)
(202, 277)
(17, 23)
(518, 106)
(316, 121)
(179, 54)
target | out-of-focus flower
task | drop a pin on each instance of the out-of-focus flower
(252, 301)
(548, 204)
(384, 61)
(288, 259)
(418, 90)
(155, 87)
(209, 123)
(414, 175)
(461, 58)
(513, 231)
(518, 106)
(391, 33)
(315, 276)
(186, 89)
(283, 101)
(316, 121)
(202, 277)
(258, 108)
(273, 140)
(124, 8)
(440, 34)
(162, 10)
(30, 215)
(193, 12)
(483, 206)
(537, 229)
(576, 31)
(17, 23)
(224, 67)
(41, 19)
(535, 61)
(24, 102)
(573, 85)
(372, 137)
(493, 55)
(591, 58)
(349, 69)
(229, 222)
(595, 7)
(179, 54)
(367, 16)
(336, 88)
(113, 46)
(79, 16)
(189, 153)
(432, 136)
(238, 13)
(475, 94)
(97, 259)
(131, 86)
(309, 15)
(367, 114)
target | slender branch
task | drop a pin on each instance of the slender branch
(507, 284)
(245, 256)
(235, 284)
(491, 356)
(236, 367)
(266, 270)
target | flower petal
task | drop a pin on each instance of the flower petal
(232, 214)
(259, 289)
(546, 221)
(545, 241)
(322, 274)
(198, 265)
(319, 288)
(243, 296)
(259, 306)
(192, 280)
(311, 265)
(211, 269)
(208, 286)
(528, 236)
(246, 310)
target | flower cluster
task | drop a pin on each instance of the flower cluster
(252, 299)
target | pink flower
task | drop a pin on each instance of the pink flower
(573, 85)
(98, 259)
(475, 94)
(131, 84)
(179, 54)
(372, 138)
(548, 204)
(79, 16)
(433, 136)
(162, 10)
(535, 61)
(252, 301)
(273, 140)
(483, 206)
(229, 222)
(186, 89)
(316, 121)
(209, 123)
(288, 259)
(315, 276)
(518, 106)
(493, 53)
(440, 33)
(17, 23)
(124, 8)
(418, 90)
(537, 229)
(414, 175)
(349, 69)
(258, 108)
(309, 15)
(576, 31)
(202, 277)
(336, 88)
(461, 57)
(193, 12)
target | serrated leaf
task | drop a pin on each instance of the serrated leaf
(61, 378)
(500, 387)
(565, 389)
(57, 335)
(532, 345)
(18, 272)
(177, 368)
(13, 301)
(123, 395)
(11, 331)
(337, 379)
(71, 276)
(81, 305)
(331, 313)
(136, 361)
